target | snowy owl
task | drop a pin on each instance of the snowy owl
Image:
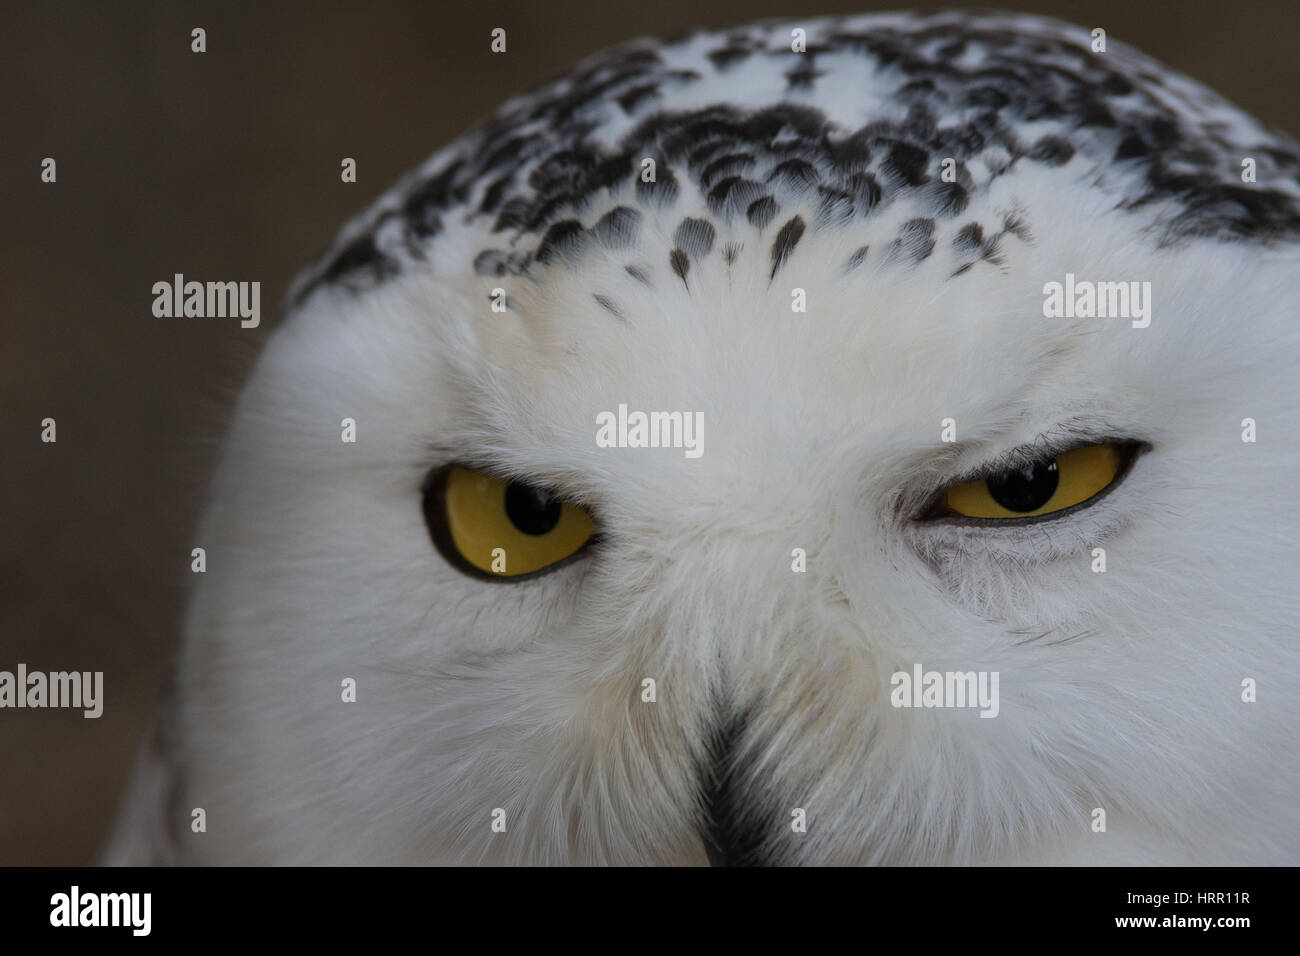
(867, 440)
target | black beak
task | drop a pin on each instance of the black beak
(736, 832)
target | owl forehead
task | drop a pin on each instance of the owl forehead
(870, 114)
(804, 364)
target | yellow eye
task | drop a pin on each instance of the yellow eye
(1040, 488)
(492, 527)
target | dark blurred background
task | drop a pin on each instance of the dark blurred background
(225, 165)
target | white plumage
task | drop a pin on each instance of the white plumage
(1119, 690)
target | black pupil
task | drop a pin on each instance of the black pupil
(1025, 489)
(532, 510)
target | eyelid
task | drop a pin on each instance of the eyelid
(495, 469)
(1036, 451)
(1018, 457)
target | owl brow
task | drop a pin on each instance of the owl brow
(460, 455)
(440, 455)
(449, 456)
(1062, 438)
(444, 457)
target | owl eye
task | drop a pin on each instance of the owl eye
(492, 527)
(1043, 487)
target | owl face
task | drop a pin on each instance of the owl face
(903, 463)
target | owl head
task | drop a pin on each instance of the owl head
(864, 440)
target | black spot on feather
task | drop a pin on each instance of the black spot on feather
(608, 305)
(915, 241)
(564, 238)
(734, 194)
(617, 229)
(969, 237)
(728, 56)
(761, 211)
(490, 262)
(680, 263)
(785, 242)
(695, 237)
(907, 163)
(1052, 150)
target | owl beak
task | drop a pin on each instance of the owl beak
(733, 833)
